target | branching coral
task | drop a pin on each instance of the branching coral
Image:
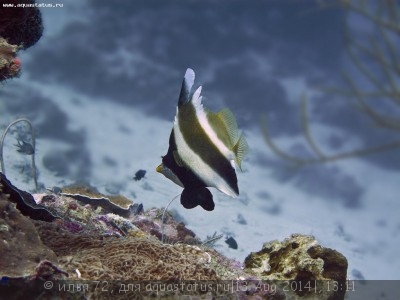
(377, 62)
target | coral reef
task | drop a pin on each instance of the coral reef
(129, 258)
(25, 202)
(170, 231)
(21, 249)
(301, 259)
(21, 26)
(9, 65)
(86, 244)
(115, 204)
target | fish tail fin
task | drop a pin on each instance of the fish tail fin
(240, 149)
(187, 83)
(193, 197)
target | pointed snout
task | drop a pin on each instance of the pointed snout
(160, 168)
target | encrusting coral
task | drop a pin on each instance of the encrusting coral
(21, 249)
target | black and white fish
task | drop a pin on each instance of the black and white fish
(203, 149)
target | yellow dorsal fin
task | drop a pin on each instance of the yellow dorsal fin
(225, 126)
(229, 120)
(240, 149)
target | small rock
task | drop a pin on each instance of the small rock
(302, 260)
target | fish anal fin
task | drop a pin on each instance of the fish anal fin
(187, 84)
(240, 149)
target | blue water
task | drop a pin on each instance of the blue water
(255, 57)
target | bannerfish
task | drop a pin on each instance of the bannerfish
(204, 148)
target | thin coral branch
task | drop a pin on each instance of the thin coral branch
(391, 24)
(211, 240)
(321, 157)
(354, 153)
(349, 93)
(306, 128)
(386, 57)
(383, 121)
(3, 170)
(360, 65)
(392, 50)
(272, 145)
(387, 71)
(162, 218)
(384, 85)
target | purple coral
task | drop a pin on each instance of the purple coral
(72, 227)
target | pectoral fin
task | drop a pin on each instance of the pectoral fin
(178, 159)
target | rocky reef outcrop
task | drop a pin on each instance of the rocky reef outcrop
(20, 28)
(21, 248)
(301, 265)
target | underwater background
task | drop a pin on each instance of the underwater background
(101, 88)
